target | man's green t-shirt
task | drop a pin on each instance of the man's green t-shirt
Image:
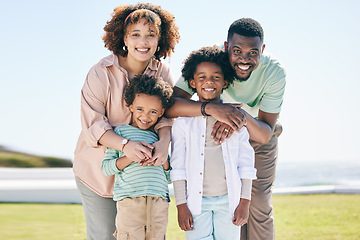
(263, 90)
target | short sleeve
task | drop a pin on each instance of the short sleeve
(272, 99)
(182, 84)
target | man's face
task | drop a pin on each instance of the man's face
(244, 54)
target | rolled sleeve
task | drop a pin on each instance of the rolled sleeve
(177, 160)
(247, 173)
(93, 101)
(246, 157)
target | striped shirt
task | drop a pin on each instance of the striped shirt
(135, 180)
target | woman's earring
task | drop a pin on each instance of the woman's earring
(125, 48)
(158, 49)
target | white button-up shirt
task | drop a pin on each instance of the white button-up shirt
(187, 160)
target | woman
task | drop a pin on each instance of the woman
(138, 36)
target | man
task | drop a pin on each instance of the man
(260, 86)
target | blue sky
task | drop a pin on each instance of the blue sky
(47, 48)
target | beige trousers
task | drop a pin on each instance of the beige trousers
(260, 225)
(141, 218)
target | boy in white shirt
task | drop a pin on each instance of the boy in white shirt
(212, 183)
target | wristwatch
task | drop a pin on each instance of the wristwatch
(124, 142)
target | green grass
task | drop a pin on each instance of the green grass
(323, 217)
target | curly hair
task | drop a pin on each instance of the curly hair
(247, 27)
(124, 15)
(144, 84)
(207, 54)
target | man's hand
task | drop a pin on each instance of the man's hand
(231, 114)
(185, 219)
(222, 130)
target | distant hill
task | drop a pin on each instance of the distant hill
(14, 159)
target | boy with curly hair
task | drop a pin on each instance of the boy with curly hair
(212, 182)
(141, 189)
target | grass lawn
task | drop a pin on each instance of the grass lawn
(328, 216)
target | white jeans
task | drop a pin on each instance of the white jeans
(99, 212)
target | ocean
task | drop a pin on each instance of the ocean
(315, 173)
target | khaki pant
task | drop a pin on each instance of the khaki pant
(260, 225)
(141, 218)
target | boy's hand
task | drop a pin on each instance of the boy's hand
(185, 219)
(241, 214)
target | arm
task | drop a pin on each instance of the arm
(178, 174)
(108, 165)
(226, 113)
(123, 162)
(178, 151)
(241, 214)
(245, 159)
(95, 123)
(185, 218)
(161, 147)
(114, 161)
(261, 129)
(167, 169)
(137, 151)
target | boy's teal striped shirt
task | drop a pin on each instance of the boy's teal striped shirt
(136, 180)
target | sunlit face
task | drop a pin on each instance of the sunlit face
(141, 41)
(244, 54)
(208, 82)
(146, 110)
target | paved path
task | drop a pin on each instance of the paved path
(57, 185)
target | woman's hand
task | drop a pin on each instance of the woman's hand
(161, 147)
(160, 153)
(138, 151)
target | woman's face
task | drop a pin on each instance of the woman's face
(141, 41)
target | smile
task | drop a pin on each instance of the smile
(143, 50)
(209, 89)
(143, 122)
(243, 67)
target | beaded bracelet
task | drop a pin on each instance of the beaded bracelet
(203, 105)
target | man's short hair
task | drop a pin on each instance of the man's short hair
(246, 27)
